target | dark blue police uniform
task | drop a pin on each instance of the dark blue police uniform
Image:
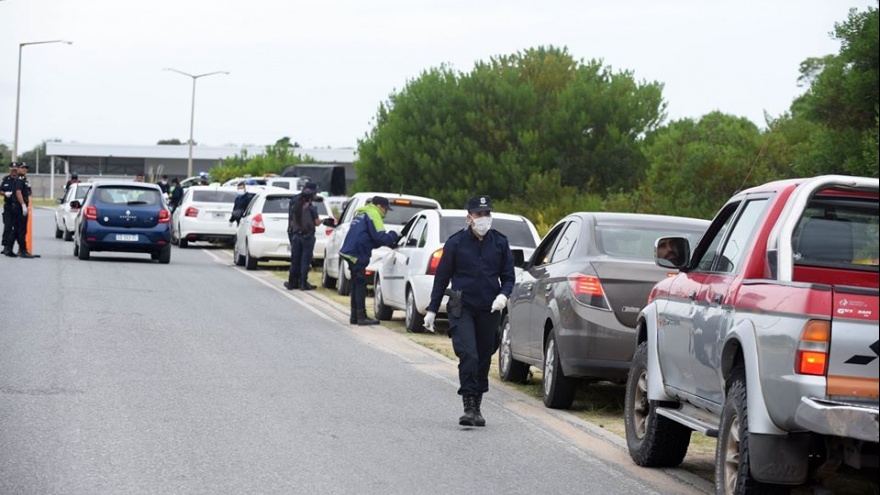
(481, 270)
(19, 218)
(6, 188)
(301, 232)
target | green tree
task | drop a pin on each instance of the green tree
(696, 165)
(170, 141)
(272, 161)
(449, 135)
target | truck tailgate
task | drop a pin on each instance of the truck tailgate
(854, 358)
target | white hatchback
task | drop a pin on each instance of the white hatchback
(203, 215)
(65, 214)
(405, 276)
(262, 233)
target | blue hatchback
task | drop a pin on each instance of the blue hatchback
(124, 216)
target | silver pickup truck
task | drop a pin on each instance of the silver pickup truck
(766, 338)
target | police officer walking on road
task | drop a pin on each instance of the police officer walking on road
(301, 222)
(479, 263)
(6, 191)
(366, 232)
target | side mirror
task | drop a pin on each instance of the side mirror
(519, 258)
(329, 222)
(75, 204)
(672, 252)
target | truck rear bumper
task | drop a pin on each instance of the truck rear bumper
(839, 419)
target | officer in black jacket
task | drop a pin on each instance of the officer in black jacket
(479, 263)
(6, 188)
(21, 191)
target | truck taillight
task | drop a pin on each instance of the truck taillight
(192, 211)
(91, 213)
(588, 290)
(434, 262)
(812, 350)
(257, 225)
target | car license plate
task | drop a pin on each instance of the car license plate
(127, 237)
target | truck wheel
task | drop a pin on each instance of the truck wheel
(732, 472)
(381, 311)
(558, 388)
(509, 369)
(652, 440)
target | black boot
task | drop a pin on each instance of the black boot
(290, 285)
(363, 319)
(469, 418)
(307, 286)
(479, 420)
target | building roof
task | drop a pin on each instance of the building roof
(181, 151)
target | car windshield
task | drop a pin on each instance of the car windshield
(281, 204)
(215, 196)
(517, 232)
(634, 242)
(129, 196)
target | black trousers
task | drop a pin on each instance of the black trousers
(358, 286)
(474, 339)
(19, 230)
(8, 238)
(302, 250)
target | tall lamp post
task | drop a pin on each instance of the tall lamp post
(18, 89)
(192, 113)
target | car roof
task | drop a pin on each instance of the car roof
(454, 212)
(392, 196)
(212, 188)
(126, 183)
(610, 218)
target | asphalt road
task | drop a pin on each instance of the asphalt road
(122, 376)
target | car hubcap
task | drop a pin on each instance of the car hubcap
(731, 455)
(549, 365)
(640, 405)
(504, 357)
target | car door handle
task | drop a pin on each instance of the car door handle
(692, 295)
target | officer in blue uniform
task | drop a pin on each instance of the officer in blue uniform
(21, 193)
(479, 263)
(6, 189)
(302, 220)
(366, 232)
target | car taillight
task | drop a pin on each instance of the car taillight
(91, 213)
(588, 290)
(328, 232)
(812, 350)
(257, 225)
(434, 262)
(192, 211)
(164, 216)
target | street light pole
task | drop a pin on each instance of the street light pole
(192, 113)
(18, 90)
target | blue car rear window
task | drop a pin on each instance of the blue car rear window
(128, 196)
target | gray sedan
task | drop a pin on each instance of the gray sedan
(573, 309)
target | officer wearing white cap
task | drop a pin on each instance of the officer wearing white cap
(478, 262)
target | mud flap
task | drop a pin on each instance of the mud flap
(778, 459)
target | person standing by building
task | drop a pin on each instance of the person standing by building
(6, 190)
(301, 222)
(21, 190)
(478, 262)
(176, 194)
(163, 184)
(242, 200)
(366, 232)
(74, 178)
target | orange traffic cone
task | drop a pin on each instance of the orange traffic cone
(29, 237)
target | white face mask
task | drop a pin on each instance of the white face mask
(481, 225)
(241, 192)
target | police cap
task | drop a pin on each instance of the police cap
(479, 203)
(382, 201)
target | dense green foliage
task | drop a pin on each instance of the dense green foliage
(272, 161)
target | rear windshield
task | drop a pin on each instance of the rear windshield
(128, 196)
(214, 196)
(517, 232)
(839, 232)
(401, 213)
(634, 242)
(281, 204)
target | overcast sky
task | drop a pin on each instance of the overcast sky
(316, 71)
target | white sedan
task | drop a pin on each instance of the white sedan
(262, 233)
(65, 214)
(203, 215)
(405, 276)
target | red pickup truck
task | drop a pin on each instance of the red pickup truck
(766, 338)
